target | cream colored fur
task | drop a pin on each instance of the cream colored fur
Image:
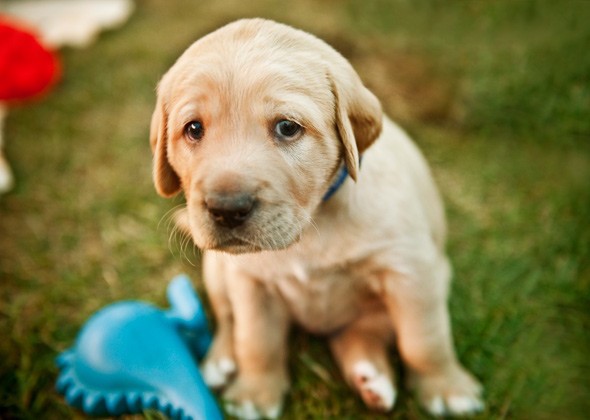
(367, 268)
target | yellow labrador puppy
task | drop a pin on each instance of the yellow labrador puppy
(312, 208)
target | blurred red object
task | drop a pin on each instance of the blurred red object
(27, 68)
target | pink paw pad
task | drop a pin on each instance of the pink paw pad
(375, 388)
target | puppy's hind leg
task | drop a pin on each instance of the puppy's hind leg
(361, 352)
(419, 313)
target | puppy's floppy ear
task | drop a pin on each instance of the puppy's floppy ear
(358, 114)
(165, 178)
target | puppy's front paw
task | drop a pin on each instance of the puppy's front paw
(218, 372)
(256, 397)
(456, 392)
(219, 365)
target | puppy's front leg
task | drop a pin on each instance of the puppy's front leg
(417, 304)
(219, 365)
(261, 324)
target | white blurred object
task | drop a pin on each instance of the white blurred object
(6, 178)
(74, 23)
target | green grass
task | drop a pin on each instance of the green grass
(496, 93)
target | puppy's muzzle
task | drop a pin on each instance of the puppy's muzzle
(230, 209)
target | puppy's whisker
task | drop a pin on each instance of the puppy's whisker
(309, 220)
(171, 226)
(181, 242)
(305, 220)
(169, 215)
(187, 242)
(172, 238)
(183, 249)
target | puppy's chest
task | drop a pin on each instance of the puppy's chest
(322, 299)
(325, 284)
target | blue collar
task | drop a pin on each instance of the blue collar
(342, 175)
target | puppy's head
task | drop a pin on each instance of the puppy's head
(252, 123)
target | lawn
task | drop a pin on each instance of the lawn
(497, 95)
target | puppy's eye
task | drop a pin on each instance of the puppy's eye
(286, 129)
(194, 130)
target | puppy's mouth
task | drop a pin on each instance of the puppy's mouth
(235, 245)
(246, 239)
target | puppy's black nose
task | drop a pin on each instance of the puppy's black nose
(229, 210)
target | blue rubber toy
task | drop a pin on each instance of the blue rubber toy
(132, 356)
